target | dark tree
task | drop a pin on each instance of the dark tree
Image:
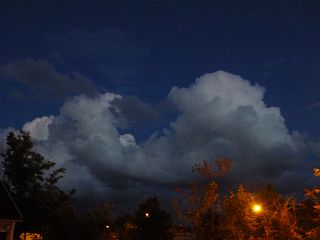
(32, 181)
(126, 227)
(97, 223)
(152, 221)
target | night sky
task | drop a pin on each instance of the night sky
(128, 95)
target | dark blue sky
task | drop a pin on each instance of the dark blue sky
(143, 48)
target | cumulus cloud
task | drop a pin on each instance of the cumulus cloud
(39, 127)
(220, 115)
(223, 115)
(45, 80)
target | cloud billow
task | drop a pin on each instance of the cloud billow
(220, 115)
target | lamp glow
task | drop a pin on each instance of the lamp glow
(256, 208)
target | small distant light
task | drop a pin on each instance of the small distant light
(107, 226)
(147, 214)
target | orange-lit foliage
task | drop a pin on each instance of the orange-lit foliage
(204, 215)
(314, 195)
(238, 220)
(30, 236)
(200, 201)
(277, 219)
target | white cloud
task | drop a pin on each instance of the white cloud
(220, 115)
(127, 140)
(39, 127)
(226, 103)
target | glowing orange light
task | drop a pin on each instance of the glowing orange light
(256, 208)
(147, 214)
(30, 236)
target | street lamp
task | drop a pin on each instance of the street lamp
(146, 214)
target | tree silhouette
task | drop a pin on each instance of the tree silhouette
(32, 181)
(96, 223)
(152, 221)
